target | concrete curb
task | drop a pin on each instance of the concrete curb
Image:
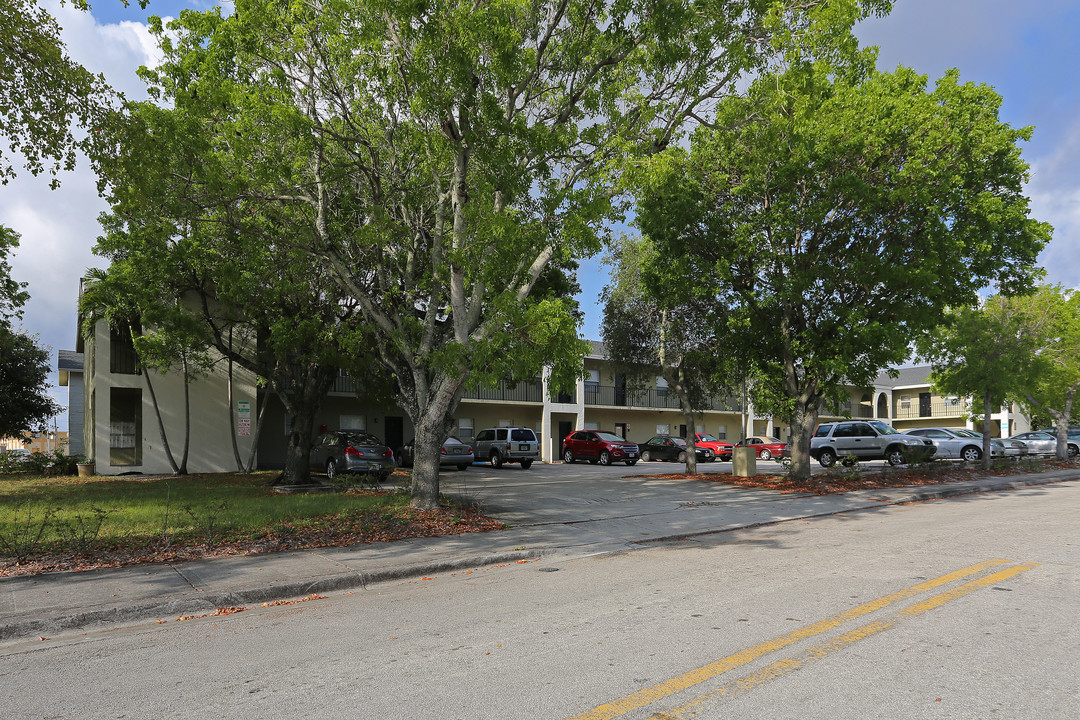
(205, 604)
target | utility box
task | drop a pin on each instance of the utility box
(744, 462)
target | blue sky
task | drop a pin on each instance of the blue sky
(1027, 51)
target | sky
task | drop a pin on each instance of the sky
(1028, 52)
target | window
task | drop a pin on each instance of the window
(661, 387)
(663, 429)
(122, 357)
(952, 402)
(905, 402)
(592, 426)
(352, 422)
(466, 429)
(485, 435)
(721, 432)
(125, 426)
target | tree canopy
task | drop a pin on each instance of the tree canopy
(433, 160)
(837, 214)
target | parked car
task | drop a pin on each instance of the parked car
(664, 447)
(507, 445)
(453, 452)
(1012, 448)
(598, 447)
(1044, 443)
(866, 440)
(765, 447)
(721, 448)
(351, 451)
(958, 443)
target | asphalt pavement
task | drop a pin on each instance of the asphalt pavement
(554, 511)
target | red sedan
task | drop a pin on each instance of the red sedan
(765, 447)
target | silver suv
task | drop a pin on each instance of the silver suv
(866, 440)
(507, 445)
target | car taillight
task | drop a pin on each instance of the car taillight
(353, 451)
(442, 451)
(507, 447)
(388, 453)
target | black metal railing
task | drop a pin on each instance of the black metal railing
(938, 408)
(528, 392)
(660, 398)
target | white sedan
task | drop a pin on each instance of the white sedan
(957, 443)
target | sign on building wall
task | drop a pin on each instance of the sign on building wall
(243, 418)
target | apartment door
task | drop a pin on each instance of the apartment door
(620, 430)
(924, 405)
(395, 433)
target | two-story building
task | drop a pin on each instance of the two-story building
(121, 411)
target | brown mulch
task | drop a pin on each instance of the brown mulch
(847, 480)
(340, 530)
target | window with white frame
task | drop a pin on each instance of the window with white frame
(721, 432)
(663, 429)
(905, 402)
(591, 426)
(466, 428)
(661, 387)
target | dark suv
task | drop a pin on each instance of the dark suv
(867, 440)
(598, 447)
(507, 445)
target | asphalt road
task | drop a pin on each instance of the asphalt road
(960, 608)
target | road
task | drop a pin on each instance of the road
(960, 608)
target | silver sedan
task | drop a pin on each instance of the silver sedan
(1045, 443)
(957, 443)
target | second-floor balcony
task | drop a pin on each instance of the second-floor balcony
(936, 408)
(652, 398)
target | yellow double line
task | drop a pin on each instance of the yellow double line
(679, 683)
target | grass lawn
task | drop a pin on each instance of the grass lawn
(63, 523)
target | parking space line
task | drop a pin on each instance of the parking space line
(651, 694)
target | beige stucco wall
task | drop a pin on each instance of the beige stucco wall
(209, 448)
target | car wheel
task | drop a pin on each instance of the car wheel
(1073, 451)
(827, 458)
(462, 467)
(631, 462)
(895, 456)
(567, 456)
(765, 454)
(605, 458)
(526, 464)
(682, 456)
(496, 459)
(331, 469)
(646, 456)
(971, 453)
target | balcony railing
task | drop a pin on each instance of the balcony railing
(651, 398)
(528, 392)
(938, 408)
(852, 411)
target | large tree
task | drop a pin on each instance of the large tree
(435, 158)
(24, 365)
(44, 95)
(838, 213)
(652, 327)
(1050, 325)
(981, 352)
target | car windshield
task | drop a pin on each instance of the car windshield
(706, 437)
(610, 437)
(966, 434)
(884, 429)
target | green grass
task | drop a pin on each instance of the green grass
(133, 510)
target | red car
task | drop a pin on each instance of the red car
(598, 447)
(765, 448)
(720, 448)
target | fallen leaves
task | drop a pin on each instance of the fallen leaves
(276, 603)
(341, 529)
(217, 613)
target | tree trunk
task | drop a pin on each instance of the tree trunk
(688, 415)
(160, 423)
(302, 393)
(433, 420)
(987, 412)
(803, 419)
